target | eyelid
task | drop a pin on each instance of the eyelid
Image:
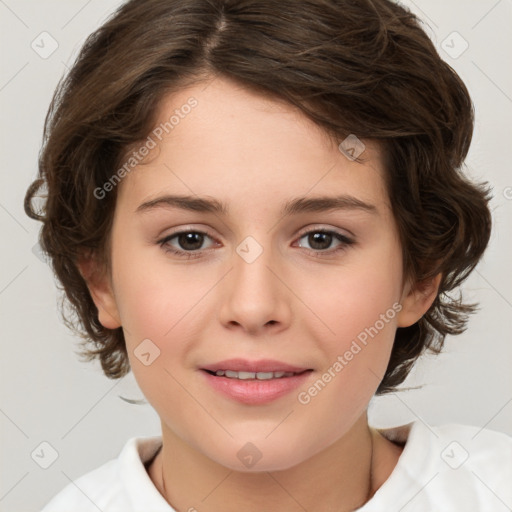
(321, 227)
(344, 241)
(188, 255)
(300, 234)
(187, 229)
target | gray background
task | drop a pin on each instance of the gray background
(48, 395)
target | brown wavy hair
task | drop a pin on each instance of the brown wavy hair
(365, 68)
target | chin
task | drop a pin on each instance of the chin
(257, 457)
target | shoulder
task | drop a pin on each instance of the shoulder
(116, 486)
(449, 467)
(475, 439)
(454, 443)
(477, 456)
(475, 450)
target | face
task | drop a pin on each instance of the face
(318, 289)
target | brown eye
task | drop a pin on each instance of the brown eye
(321, 240)
(191, 241)
(188, 244)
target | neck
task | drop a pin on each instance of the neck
(343, 477)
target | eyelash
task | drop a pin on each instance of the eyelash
(345, 243)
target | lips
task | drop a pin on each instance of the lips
(261, 366)
(254, 388)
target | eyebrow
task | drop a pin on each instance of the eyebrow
(292, 207)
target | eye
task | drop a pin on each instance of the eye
(321, 239)
(189, 244)
(187, 241)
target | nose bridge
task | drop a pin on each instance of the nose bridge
(251, 267)
(256, 296)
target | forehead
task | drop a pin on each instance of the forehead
(218, 138)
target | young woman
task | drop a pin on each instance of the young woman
(258, 208)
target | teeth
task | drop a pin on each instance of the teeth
(252, 375)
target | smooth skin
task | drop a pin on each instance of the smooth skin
(303, 301)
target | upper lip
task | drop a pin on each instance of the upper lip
(263, 365)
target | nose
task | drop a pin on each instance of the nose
(255, 298)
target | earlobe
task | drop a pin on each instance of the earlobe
(417, 301)
(100, 288)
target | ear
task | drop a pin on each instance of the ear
(100, 288)
(417, 299)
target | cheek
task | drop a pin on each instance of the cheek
(358, 305)
(357, 345)
(155, 297)
(160, 310)
(168, 304)
(356, 298)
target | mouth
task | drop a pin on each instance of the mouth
(244, 375)
(244, 369)
(254, 383)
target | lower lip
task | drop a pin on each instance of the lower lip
(255, 392)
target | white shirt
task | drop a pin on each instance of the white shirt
(449, 468)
